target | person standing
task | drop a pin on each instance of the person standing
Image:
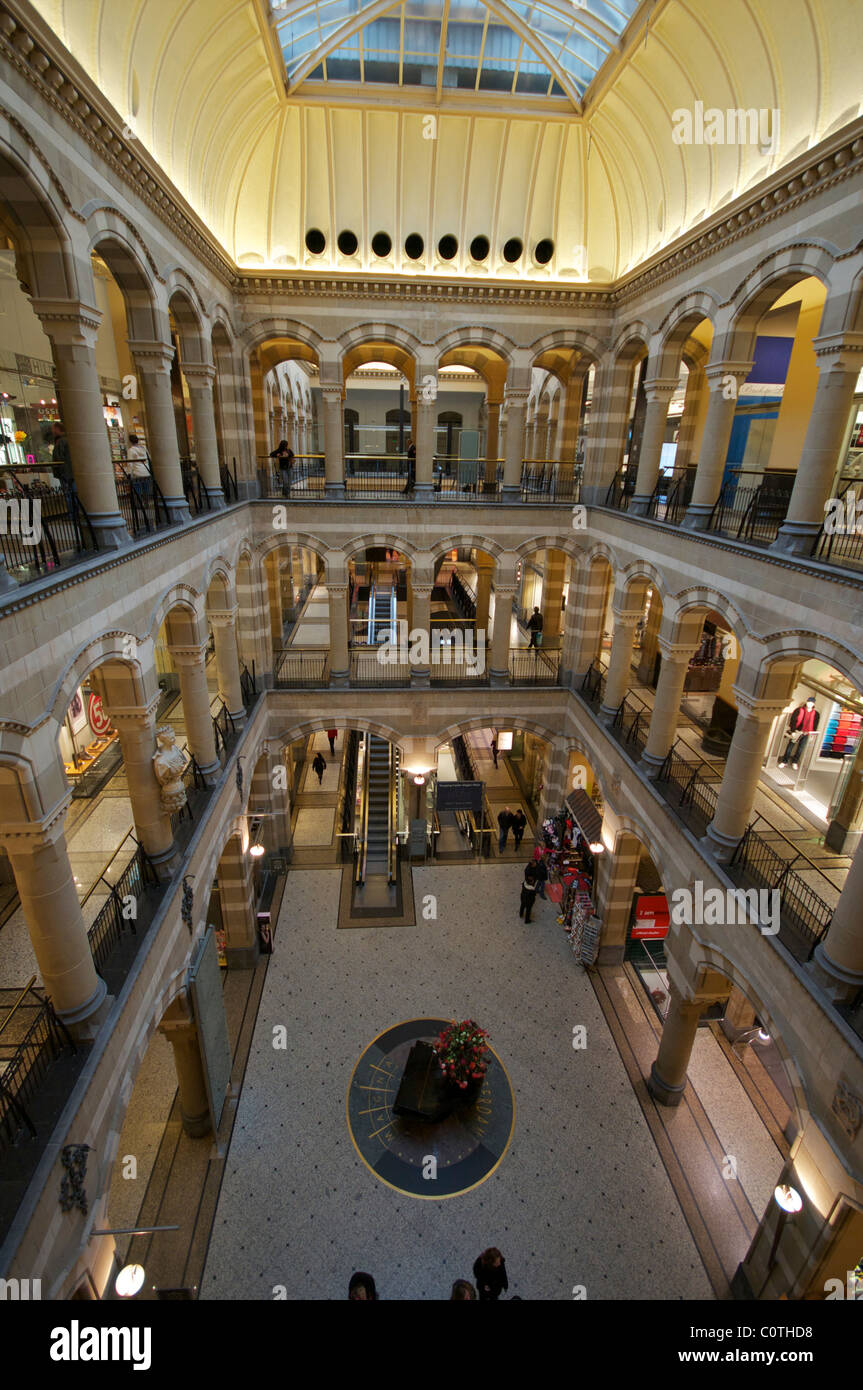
(62, 461)
(319, 767)
(534, 627)
(139, 470)
(283, 455)
(332, 735)
(494, 748)
(541, 872)
(489, 1271)
(463, 1291)
(412, 466)
(504, 824)
(361, 1288)
(529, 886)
(519, 824)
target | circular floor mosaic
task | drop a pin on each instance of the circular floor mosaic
(466, 1147)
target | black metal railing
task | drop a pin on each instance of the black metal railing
(686, 788)
(466, 480)
(249, 686)
(193, 781)
(141, 503)
(671, 496)
(752, 506)
(43, 523)
(840, 540)
(378, 665)
(228, 475)
(593, 684)
(31, 1039)
(630, 725)
(620, 489)
(462, 594)
(224, 729)
(378, 476)
(804, 916)
(121, 911)
(534, 665)
(306, 477)
(549, 480)
(450, 666)
(463, 760)
(301, 666)
(194, 490)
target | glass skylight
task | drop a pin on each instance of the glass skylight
(538, 47)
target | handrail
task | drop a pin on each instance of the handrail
(360, 876)
(26, 990)
(392, 819)
(101, 878)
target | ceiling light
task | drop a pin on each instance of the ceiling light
(129, 1281)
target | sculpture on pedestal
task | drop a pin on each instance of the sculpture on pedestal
(169, 766)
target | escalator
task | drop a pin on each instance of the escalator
(377, 810)
(382, 614)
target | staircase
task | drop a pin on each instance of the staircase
(379, 805)
(382, 615)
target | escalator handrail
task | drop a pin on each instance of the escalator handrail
(364, 815)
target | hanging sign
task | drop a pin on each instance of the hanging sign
(651, 918)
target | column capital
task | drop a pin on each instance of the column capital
(189, 656)
(332, 394)
(675, 653)
(336, 590)
(135, 716)
(717, 371)
(516, 396)
(225, 617)
(660, 389)
(628, 618)
(199, 375)
(760, 710)
(26, 837)
(839, 350)
(422, 590)
(68, 322)
(151, 356)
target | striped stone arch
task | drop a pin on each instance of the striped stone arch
(108, 646)
(643, 569)
(687, 600)
(178, 278)
(345, 721)
(630, 825)
(465, 542)
(703, 957)
(219, 569)
(568, 544)
(794, 647)
(36, 210)
(178, 596)
(106, 222)
(379, 333)
(600, 550)
(630, 338)
(575, 745)
(578, 338)
(218, 314)
(389, 541)
(492, 719)
(279, 326)
(474, 337)
(280, 538)
(677, 326)
(122, 249)
(773, 275)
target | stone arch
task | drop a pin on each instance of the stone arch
(178, 596)
(678, 605)
(349, 548)
(567, 544)
(643, 569)
(30, 213)
(194, 339)
(219, 317)
(117, 248)
(678, 324)
(491, 718)
(178, 280)
(775, 274)
(799, 647)
(632, 341)
(466, 542)
(474, 337)
(219, 572)
(320, 723)
(574, 744)
(631, 825)
(117, 646)
(578, 339)
(278, 326)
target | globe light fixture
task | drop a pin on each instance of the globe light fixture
(788, 1198)
(129, 1281)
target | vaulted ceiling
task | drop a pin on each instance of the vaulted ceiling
(550, 122)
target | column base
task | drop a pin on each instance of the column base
(638, 505)
(498, 678)
(196, 1126)
(795, 538)
(178, 510)
(166, 863)
(248, 489)
(110, 530)
(509, 493)
(216, 499)
(650, 763)
(607, 713)
(334, 492)
(7, 583)
(85, 1021)
(662, 1091)
(697, 518)
(420, 680)
(840, 985)
(340, 679)
(842, 840)
(424, 492)
(238, 716)
(243, 957)
(720, 847)
(211, 772)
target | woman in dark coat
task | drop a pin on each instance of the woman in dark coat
(489, 1271)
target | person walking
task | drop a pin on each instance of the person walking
(489, 1271)
(332, 735)
(494, 748)
(319, 767)
(529, 886)
(541, 872)
(504, 825)
(519, 824)
(534, 627)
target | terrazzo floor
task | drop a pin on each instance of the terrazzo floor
(581, 1198)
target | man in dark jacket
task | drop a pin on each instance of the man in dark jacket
(534, 627)
(489, 1271)
(319, 767)
(519, 823)
(504, 824)
(803, 722)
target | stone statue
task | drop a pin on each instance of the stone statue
(169, 765)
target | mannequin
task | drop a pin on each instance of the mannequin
(804, 720)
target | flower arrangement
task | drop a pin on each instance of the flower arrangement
(462, 1052)
(20, 436)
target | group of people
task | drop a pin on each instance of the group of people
(509, 820)
(489, 1272)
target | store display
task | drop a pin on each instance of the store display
(842, 732)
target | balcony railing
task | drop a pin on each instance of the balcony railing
(550, 480)
(378, 666)
(671, 497)
(805, 917)
(752, 506)
(32, 1038)
(129, 895)
(466, 480)
(45, 526)
(533, 666)
(301, 666)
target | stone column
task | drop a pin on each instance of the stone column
(199, 380)
(334, 440)
(585, 619)
(839, 358)
(838, 959)
(49, 900)
(504, 593)
(179, 1028)
(513, 462)
(689, 419)
(278, 828)
(620, 664)
(340, 663)
(723, 381)
(426, 413)
(667, 1080)
(421, 675)
(666, 707)
(554, 787)
(237, 897)
(742, 773)
(136, 729)
(224, 625)
(616, 877)
(844, 831)
(492, 439)
(274, 604)
(153, 365)
(658, 392)
(650, 641)
(191, 667)
(72, 328)
(552, 598)
(567, 437)
(608, 425)
(484, 571)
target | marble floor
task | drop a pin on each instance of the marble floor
(582, 1196)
